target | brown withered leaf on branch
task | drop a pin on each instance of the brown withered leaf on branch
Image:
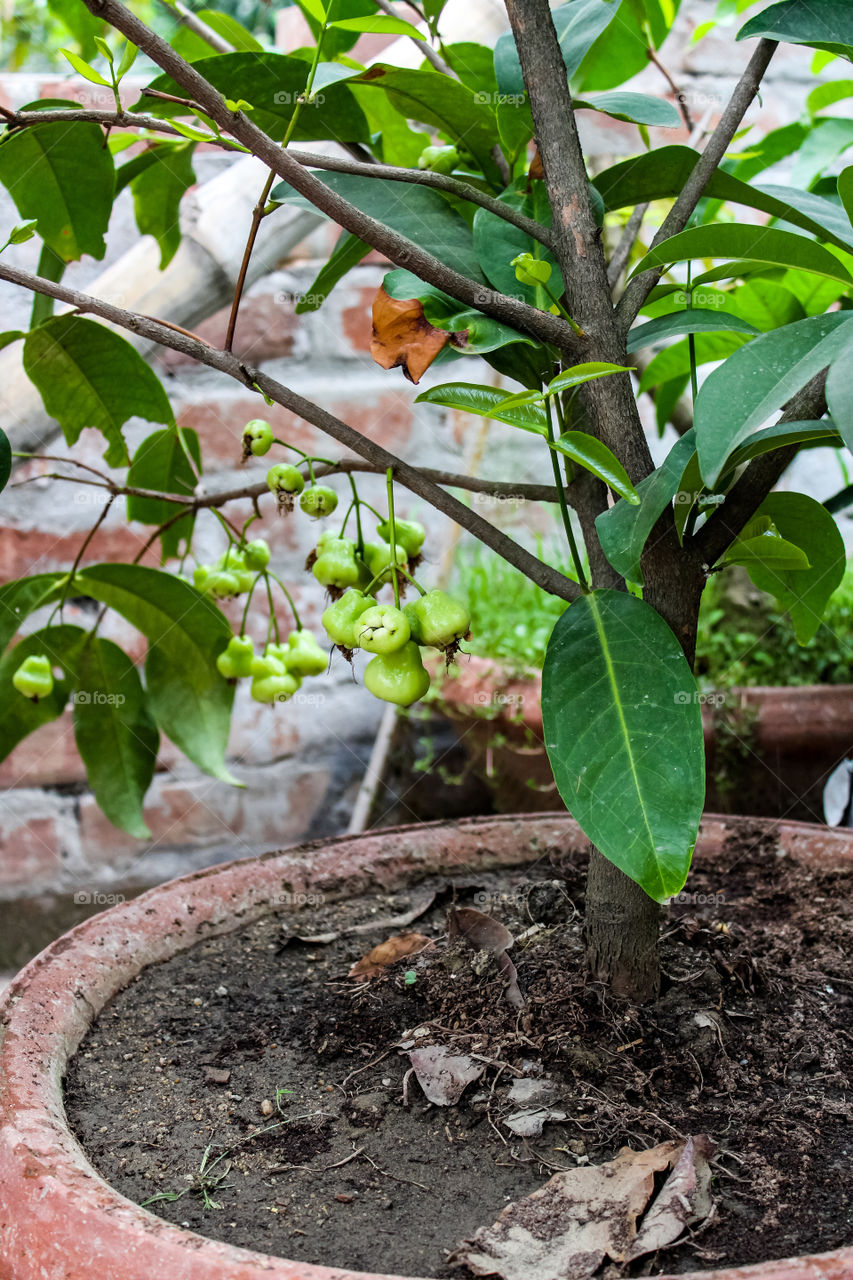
(485, 933)
(389, 952)
(402, 336)
(443, 1075)
(536, 170)
(566, 1229)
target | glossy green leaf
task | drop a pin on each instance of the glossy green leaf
(83, 69)
(485, 402)
(397, 142)
(766, 304)
(5, 459)
(347, 253)
(826, 95)
(674, 361)
(273, 83)
(766, 551)
(446, 104)
(845, 190)
(21, 597)
(157, 191)
(88, 376)
(623, 731)
(578, 25)
(20, 716)
(823, 24)
(624, 530)
(577, 374)
(664, 172)
(380, 24)
(421, 214)
(808, 434)
(231, 30)
(594, 456)
(186, 694)
(636, 108)
(41, 168)
(827, 140)
(803, 593)
(839, 391)
(115, 733)
(620, 53)
(498, 242)
(694, 320)
(755, 382)
(80, 24)
(162, 462)
(740, 241)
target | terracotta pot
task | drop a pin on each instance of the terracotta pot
(58, 1219)
(769, 750)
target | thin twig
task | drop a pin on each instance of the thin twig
(627, 240)
(434, 59)
(188, 19)
(257, 218)
(680, 95)
(324, 1168)
(385, 1174)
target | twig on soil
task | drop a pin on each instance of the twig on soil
(394, 1176)
(366, 1067)
(323, 1168)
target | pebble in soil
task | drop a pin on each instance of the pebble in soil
(259, 1050)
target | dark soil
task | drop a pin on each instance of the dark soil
(259, 1046)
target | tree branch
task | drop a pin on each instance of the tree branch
(399, 249)
(756, 482)
(180, 13)
(681, 212)
(411, 477)
(434, 59)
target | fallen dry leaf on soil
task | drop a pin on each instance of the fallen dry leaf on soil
(484, 933)
(443, 1075)
(566, 1229)
(402, 336)
(530, 1123)
(389, 952)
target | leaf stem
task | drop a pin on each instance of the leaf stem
(564, 506)
(392, 529)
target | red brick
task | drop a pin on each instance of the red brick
(28, 551)
(266, 326)
(31, 847)
(357, 320)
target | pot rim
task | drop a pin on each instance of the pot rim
(60, 1218)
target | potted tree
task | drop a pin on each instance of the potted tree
(497, 251)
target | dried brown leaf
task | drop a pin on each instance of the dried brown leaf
(443, 1075)
(389, 952)
(403, 337)
(578, 1218)
(484, 933)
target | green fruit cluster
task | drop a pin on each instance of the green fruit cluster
(278, 672)
(234, 572)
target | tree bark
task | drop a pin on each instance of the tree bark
(622, 926)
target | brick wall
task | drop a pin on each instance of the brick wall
(301, 762)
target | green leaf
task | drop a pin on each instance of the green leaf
(665, 171)
(623, 731)
(674, 361)
(636, 108)
(21, 597)
(498, 242)
(115, 734)
(620, 53)
(10, 336)
(826, 95)
(157, 190)
(398, 143)
(624, 530)
(828, 139)
(595, 456)
(845, 190)
(273, 83)
(5, 459)
(347, 253)
(62, 176)
(485, 402)
(88, 376)
(839, 391)
(808, 434)
(803, 593)
(231, 30)
(23, 232)
(740, 241)
(695, 320)
(578, 25)
(83, 69)
(766, 304)
(80, 24)
(580, 373)
(767, 551)
(421, 214)
(447, 105)
(756, 381)
(128, 57)
(380, 24)
(20, 716)
(161, 462)
(823, 24)
(186, 694)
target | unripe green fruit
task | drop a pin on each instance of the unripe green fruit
(236, 660)
(285, 478)
(382, 629)
(257, 554)
(274, 688)
(340, 618)
(439, 159)
(257, 438)
(201, 576)
(304, 655)
(222, 584)
(410, 535)
(34, 678)
(398, 677)
(441, 620)
(378, 560)
(336, 565)
(318, 501)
